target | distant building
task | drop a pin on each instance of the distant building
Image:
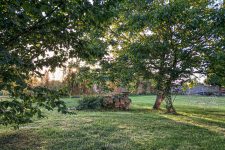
(203, 90)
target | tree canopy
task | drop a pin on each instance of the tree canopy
(216, 56)
(39, 34)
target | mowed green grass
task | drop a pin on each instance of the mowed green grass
(199, 125)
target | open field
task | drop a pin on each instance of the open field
(199, 125)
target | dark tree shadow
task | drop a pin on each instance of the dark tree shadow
(139, 128)
(19, 140)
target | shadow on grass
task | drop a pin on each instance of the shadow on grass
(139, 110)
(138, 128)
(135, 133)
(132, 110)
(19, 140)
(206, 120)
(211, 123)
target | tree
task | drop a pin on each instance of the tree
(216, 55)
(215, 79)
(38, 34)
(79, 79)
(164, 41)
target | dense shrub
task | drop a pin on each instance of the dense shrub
(90, 102)
(120, 102)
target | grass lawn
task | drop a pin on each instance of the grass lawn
(199, 125)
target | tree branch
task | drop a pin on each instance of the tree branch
(35, 26)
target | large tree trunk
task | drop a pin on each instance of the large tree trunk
(160, 93)
(165, 94)
(159, 99)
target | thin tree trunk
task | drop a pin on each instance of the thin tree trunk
(220, 91)
(169, 103)
(159, 99)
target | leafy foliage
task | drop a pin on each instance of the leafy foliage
(39, 34)
(90, 102)
(216, 55)
(17, 111)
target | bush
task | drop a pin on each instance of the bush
(90, 102)
(120, 102)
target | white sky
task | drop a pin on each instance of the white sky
(57, 75)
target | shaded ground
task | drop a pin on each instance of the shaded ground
(200, 125)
